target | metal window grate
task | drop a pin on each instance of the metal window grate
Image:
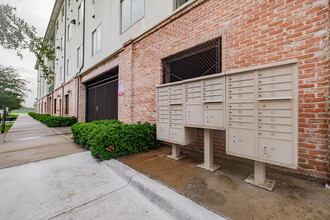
(198, 61)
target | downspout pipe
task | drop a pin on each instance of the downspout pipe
(83, 59)
(64, 63)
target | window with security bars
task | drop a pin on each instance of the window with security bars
(198, 61)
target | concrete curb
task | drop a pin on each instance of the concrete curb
(175, 204)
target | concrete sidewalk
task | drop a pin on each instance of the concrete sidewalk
(29, 140)
(78, 186)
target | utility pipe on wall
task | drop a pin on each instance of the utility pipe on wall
(83, 59)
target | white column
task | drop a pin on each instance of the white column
(208, 152)
(259, 172)
(259, 177)
(175, 153)
(175, 150)
(208, 148)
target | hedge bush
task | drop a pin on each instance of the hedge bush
(111, 139)
(54, 121)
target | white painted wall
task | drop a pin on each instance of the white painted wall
(59, 62)
(107, 14)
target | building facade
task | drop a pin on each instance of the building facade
(111, 55)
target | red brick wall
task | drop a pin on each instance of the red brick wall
(70, 89)
(253, 33)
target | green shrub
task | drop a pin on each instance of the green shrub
(111, 139)
(54, 121)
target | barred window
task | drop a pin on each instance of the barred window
(198, 61)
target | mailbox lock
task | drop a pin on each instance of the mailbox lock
(264, 106)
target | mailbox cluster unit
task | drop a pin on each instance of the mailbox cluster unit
(257, 107)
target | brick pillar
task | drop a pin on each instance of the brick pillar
(82, 102)
(125, 102)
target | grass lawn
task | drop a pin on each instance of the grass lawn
(13, 116)
(7, 127)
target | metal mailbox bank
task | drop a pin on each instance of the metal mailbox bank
(257, 107)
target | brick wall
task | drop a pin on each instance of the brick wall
(70, 89)
(253, 33)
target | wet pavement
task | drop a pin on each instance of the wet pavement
(44, 175)
(29, 141)
(225, 192)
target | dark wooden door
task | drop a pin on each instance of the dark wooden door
(102, 100)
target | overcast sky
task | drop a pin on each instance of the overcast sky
(36, 13)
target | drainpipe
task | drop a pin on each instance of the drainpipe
(64, 63)
(62, 101)
(83, 60)
(52, 104)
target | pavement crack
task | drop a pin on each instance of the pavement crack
(93, 200)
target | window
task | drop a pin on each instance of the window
(69, 31)
(201, 60)
(61, 73)
(80, 12)
(57, 25)
(69, 2)
(68, 66)
(178, 3)
(67, 104)
(55, 106)
(79, 56)
(131, 12)
(62, 43)
(62, 14)
(96, 40)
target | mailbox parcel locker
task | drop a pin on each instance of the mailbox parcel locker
(262, 115)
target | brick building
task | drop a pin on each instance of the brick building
(134, 49)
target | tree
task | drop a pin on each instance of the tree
(12, 88)
(16, 34)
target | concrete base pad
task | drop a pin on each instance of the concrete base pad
(175, 158)
(268, 184)
(212, 169)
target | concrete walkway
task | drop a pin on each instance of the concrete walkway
(29, 140)
(77, 186)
